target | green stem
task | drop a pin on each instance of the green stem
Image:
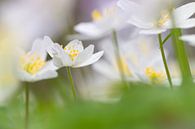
(166, 39)
(164, 60)
(181, 55)
(180, 52)
(26, 106)
(118, 57)
(68, 69)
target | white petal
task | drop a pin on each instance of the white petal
(90, 29)
(84, 55)
(48, 66)
(48, 41)
(140, 24)
(127, 5)
(95, 57)
(76, 45)
(57, 62)
(60, 58)
(106, 69)
(66, 60)
(24, 76)
(54, 50)
(184, 12)
(39, 48)
(187, 24)
(152, 31)
(189, 38)
(45, 75)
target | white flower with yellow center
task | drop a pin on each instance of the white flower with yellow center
(103, 23)
(141, 61)
(33, 65)
(154, 16)
(72, 55)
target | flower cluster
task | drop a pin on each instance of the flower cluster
(126, 32)
(34, 66)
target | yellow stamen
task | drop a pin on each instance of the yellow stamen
(165, 16)
(154, 76)
(32, 63)
(73, 53)
(96, 15)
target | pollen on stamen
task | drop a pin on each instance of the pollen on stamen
(154, 76)
(96, 15)
(73, 53)
(32, 63)
(164, 17)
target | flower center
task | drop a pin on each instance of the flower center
(32, 63)
(73, 53)
(96, 15)
(154, 76)
(106, 13)
(164, 17)
(123, 67)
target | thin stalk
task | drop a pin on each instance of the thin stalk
(182, 57)
(167, 38)
(26, 106)
(164, 60)
(180, 52)
(118, 56)
(68, 69)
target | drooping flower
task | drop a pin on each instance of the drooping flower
(72, 55)
(157, 19)
(141, 61)
(33, 65)
(103, 23)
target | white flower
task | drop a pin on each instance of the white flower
(102, 23)
(141, 61)
(72, 55)
(154, 16)
(8, 79)
(33, 65)
(189, 38)
(32, 18)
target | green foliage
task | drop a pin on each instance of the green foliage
(141, 107)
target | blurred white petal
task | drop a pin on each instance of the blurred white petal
(187, 24)
(89, 29)
(189, 38)
(184, 12)
(45, 75)
(94, 58)
(152, 31)
(39, 48)
(84, 55)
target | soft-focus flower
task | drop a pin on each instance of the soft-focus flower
(103, 22)
(154, 16)
(34, 18)
(8, 79)
(73, 54)
(141, 61)
(33, 65)
(189, 38)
